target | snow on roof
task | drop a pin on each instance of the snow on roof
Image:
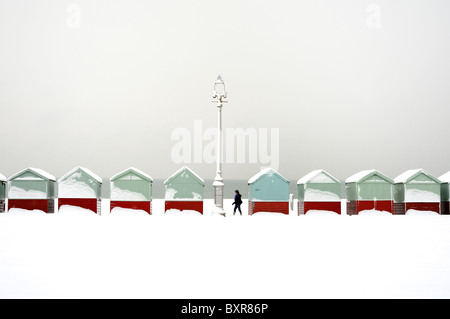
(411, 174)
(87, 171)
(265, 171)
(132, 169)
(2, 178)
(363, 174)
(325, 178)
(36, 171)
(445, 178)
(178, 172)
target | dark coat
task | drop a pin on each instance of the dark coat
(237, 199)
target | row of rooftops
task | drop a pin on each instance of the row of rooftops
(316, 176)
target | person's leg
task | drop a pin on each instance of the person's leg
(240, 209)
(234, 212)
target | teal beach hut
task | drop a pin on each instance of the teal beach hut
(268, 191)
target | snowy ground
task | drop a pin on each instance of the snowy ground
(128, 254)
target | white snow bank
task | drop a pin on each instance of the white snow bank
(20, 211)
(373, 212)
(127, 211)
(319, 195)
(125, 194)
(73, 188)
(176, 212)
(321, 213)
(20, 193)
(262, 214)
(414, 212)
(75, 210)
(420, 196)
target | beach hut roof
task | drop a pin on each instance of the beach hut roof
(264, 172)
(85, 170)
(360, 176)
(189, 171)
(318, 176)
(132, 170)
(413, 173)
(36, 171)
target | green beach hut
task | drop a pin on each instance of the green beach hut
(369, 190)
(416, 189)
(131, 189)
(319, 190)
(82, 188)
(184, 191)
(30, 189)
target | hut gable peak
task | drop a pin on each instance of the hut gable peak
(81, 170)
(31, 173)
(132, 173)
(418, 175)
(185, 172)
(368, 174)
(266, 172)
(318, 176)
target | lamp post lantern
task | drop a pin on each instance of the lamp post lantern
(219, 94)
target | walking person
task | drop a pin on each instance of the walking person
(237, 202)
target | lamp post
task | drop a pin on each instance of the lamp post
(219, 94)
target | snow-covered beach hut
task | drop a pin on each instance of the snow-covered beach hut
(184, 191)
(82, 188)
(416, 189)
(30, 189)
(268, 192)
(319, 190)
(2, 193)
(131, 189)
(369, 190)
(445, 193)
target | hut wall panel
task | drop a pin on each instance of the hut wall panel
(2, 206)
(184, 205)
(87, 203)
(434, 207)
(46, 205)
(354, 207)
(329, 206)
(141, 205)
(273, 207)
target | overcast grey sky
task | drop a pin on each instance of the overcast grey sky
(104, 83)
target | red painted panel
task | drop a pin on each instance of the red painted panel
(143, 205)
(434, 207)
(30, 204)
(87, 203)
(384, 205)
(184, 205)
(272, 207)
(329, 206)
